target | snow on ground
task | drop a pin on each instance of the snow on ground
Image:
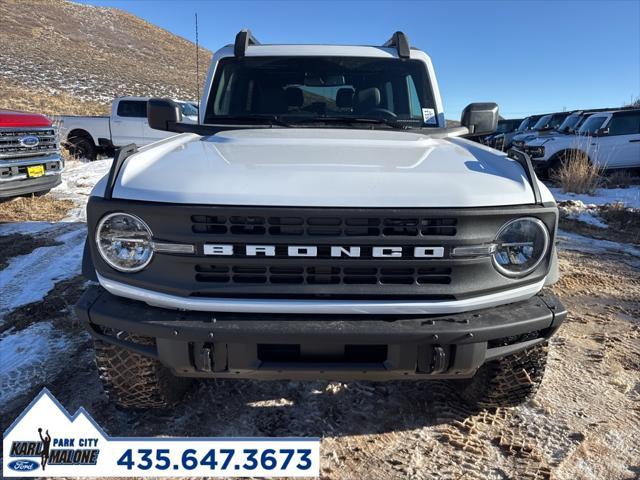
(30, 357)
(25, 228)
(28, 278)
(577, 210)
(78, 180)
(629, 196)
(579, 243)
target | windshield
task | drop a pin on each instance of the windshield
(591, 125)
(556, 120)
(312, 88)
(524, 124)
(570, 122)
(503, 126)
(528, 123)
(188, 109)
(540, 124)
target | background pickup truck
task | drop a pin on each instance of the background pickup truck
(86, 136)
(29, 154)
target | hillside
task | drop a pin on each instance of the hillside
(60, 57)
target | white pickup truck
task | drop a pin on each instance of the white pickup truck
(86, 136)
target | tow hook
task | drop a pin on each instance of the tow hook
(205, 362)
(438, 360)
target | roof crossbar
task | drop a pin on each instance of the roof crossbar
(401, 43)
(244, 38)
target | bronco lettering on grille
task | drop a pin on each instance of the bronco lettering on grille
(336, 251)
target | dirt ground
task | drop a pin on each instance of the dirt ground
(583, 424)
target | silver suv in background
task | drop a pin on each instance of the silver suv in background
(504, 141)
(610, 140)
(546, 123)
(504, 126)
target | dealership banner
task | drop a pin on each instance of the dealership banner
(46, 441)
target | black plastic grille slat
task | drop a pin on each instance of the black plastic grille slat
(322, 274)
(329, 226)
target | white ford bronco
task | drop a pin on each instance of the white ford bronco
(610, 140)
(320, 222)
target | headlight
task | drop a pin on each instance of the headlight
(124, 242)
(521, 245)
(536, 152)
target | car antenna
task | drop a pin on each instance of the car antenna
(197, 69)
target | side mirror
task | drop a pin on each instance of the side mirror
(480, 118)
(601, 132)
(163, 113)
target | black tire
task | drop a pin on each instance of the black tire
(508, 381)
(41, 193)
(82, 147)
(134, 381)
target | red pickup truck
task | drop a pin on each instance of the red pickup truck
(30, 159)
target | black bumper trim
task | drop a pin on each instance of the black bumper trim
(15, 188)
(236, 336)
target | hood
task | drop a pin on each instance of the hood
(322, 168)
(11, 118)
(528, 135)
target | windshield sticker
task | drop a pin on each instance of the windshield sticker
(429, 116)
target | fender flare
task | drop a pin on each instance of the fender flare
(566, 151)
(80, 132)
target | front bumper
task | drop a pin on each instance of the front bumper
(311, 347)
(15, 188)
(14, 179)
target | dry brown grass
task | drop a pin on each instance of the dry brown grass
(15, 97)
(34, 209)
(578, 175)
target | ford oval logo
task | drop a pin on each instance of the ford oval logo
(29, 141)
(23, 465)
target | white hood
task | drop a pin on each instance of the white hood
(323, 168)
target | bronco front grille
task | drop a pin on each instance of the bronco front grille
(10, 146)
(323, 226)
(311, 252)
(322, 275)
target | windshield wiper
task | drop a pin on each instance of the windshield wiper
(348, 120)
(255, 117)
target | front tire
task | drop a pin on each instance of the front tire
(135, 381)
(507, 381)
(83, 147)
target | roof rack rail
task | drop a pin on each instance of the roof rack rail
(244, 38)
(400, 41)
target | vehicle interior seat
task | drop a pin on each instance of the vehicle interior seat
(367, 99)
(344, 99)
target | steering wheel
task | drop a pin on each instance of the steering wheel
(384, 111)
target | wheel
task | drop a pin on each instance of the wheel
(83, 147)
(507, 381)
(134, 381)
